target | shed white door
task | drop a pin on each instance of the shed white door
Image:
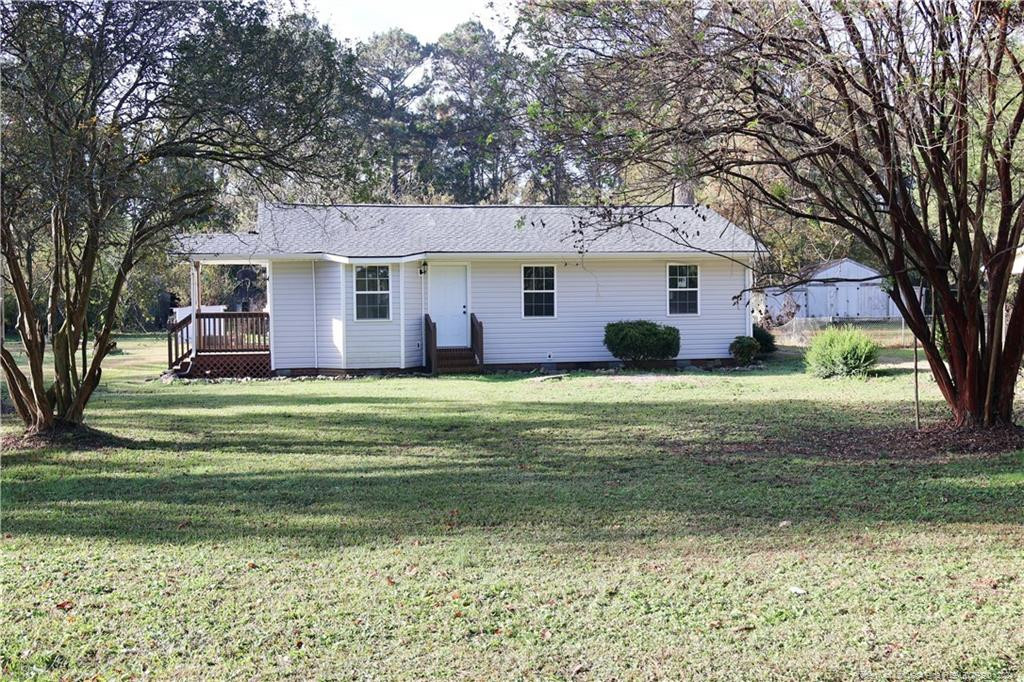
(817, 301)
(448, 304)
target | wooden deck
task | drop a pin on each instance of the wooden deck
(238, 345)
(226, 345)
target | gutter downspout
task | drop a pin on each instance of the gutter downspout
(316, 322)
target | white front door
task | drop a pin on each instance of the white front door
(449, 304)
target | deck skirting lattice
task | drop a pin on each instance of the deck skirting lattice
(225, 365)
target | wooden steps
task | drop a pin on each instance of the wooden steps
(456, 361)
(451, 360)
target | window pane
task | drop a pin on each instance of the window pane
(372, 306)
(682, 302)
(539, 304)
(372, 278)
(682, 277)
(539, 278)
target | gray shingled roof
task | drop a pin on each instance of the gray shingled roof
(374, 230)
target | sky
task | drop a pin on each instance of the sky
(425, 19)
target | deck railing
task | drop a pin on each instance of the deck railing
(179, 343)
(430, 343)
(233, 332)
(476, 338)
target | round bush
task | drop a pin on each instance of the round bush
(841, 352)
(744, 349)
(765, 338)
(641, 341)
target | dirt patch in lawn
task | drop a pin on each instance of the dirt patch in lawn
(691, 378)
(898, 443)
(645, 378)
(79, 438)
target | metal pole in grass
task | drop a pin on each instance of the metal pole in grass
(917, 395)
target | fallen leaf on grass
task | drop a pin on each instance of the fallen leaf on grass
(185, 524)
(251, 565)
(390, 581)
(451, 519)
(545, 634)
(66, 605)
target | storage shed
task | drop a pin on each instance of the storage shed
(842, 288)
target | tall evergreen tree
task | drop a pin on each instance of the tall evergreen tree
(394, 70)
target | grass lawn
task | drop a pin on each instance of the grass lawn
(700, 524)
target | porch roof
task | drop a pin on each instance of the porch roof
(398, 231)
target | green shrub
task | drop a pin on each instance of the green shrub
(641, 341)
(765, 339)
(744, 349)
(841, 352)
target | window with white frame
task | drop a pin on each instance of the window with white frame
(538, 291)
(682, 290)
(373, 292)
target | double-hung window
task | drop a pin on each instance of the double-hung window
(373, 292)
(538, 291)
(682, 290)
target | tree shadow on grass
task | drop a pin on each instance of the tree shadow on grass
(229, 466)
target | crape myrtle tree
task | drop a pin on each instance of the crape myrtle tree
(896, 122)
(122, 123)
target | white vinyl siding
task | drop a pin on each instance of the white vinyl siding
(330, 312)
(589, 294)
(373, 344)
(413, 283)
(291, 314)
(594, 292)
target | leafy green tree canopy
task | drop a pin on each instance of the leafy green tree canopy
(123, 123)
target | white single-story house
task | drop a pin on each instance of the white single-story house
(842, 289)
(412, 287)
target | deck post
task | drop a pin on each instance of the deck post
(194, 294)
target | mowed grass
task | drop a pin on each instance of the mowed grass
(597, 527)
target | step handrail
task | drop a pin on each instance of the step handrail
(430, 343)
(179, 342)
(476, 338)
